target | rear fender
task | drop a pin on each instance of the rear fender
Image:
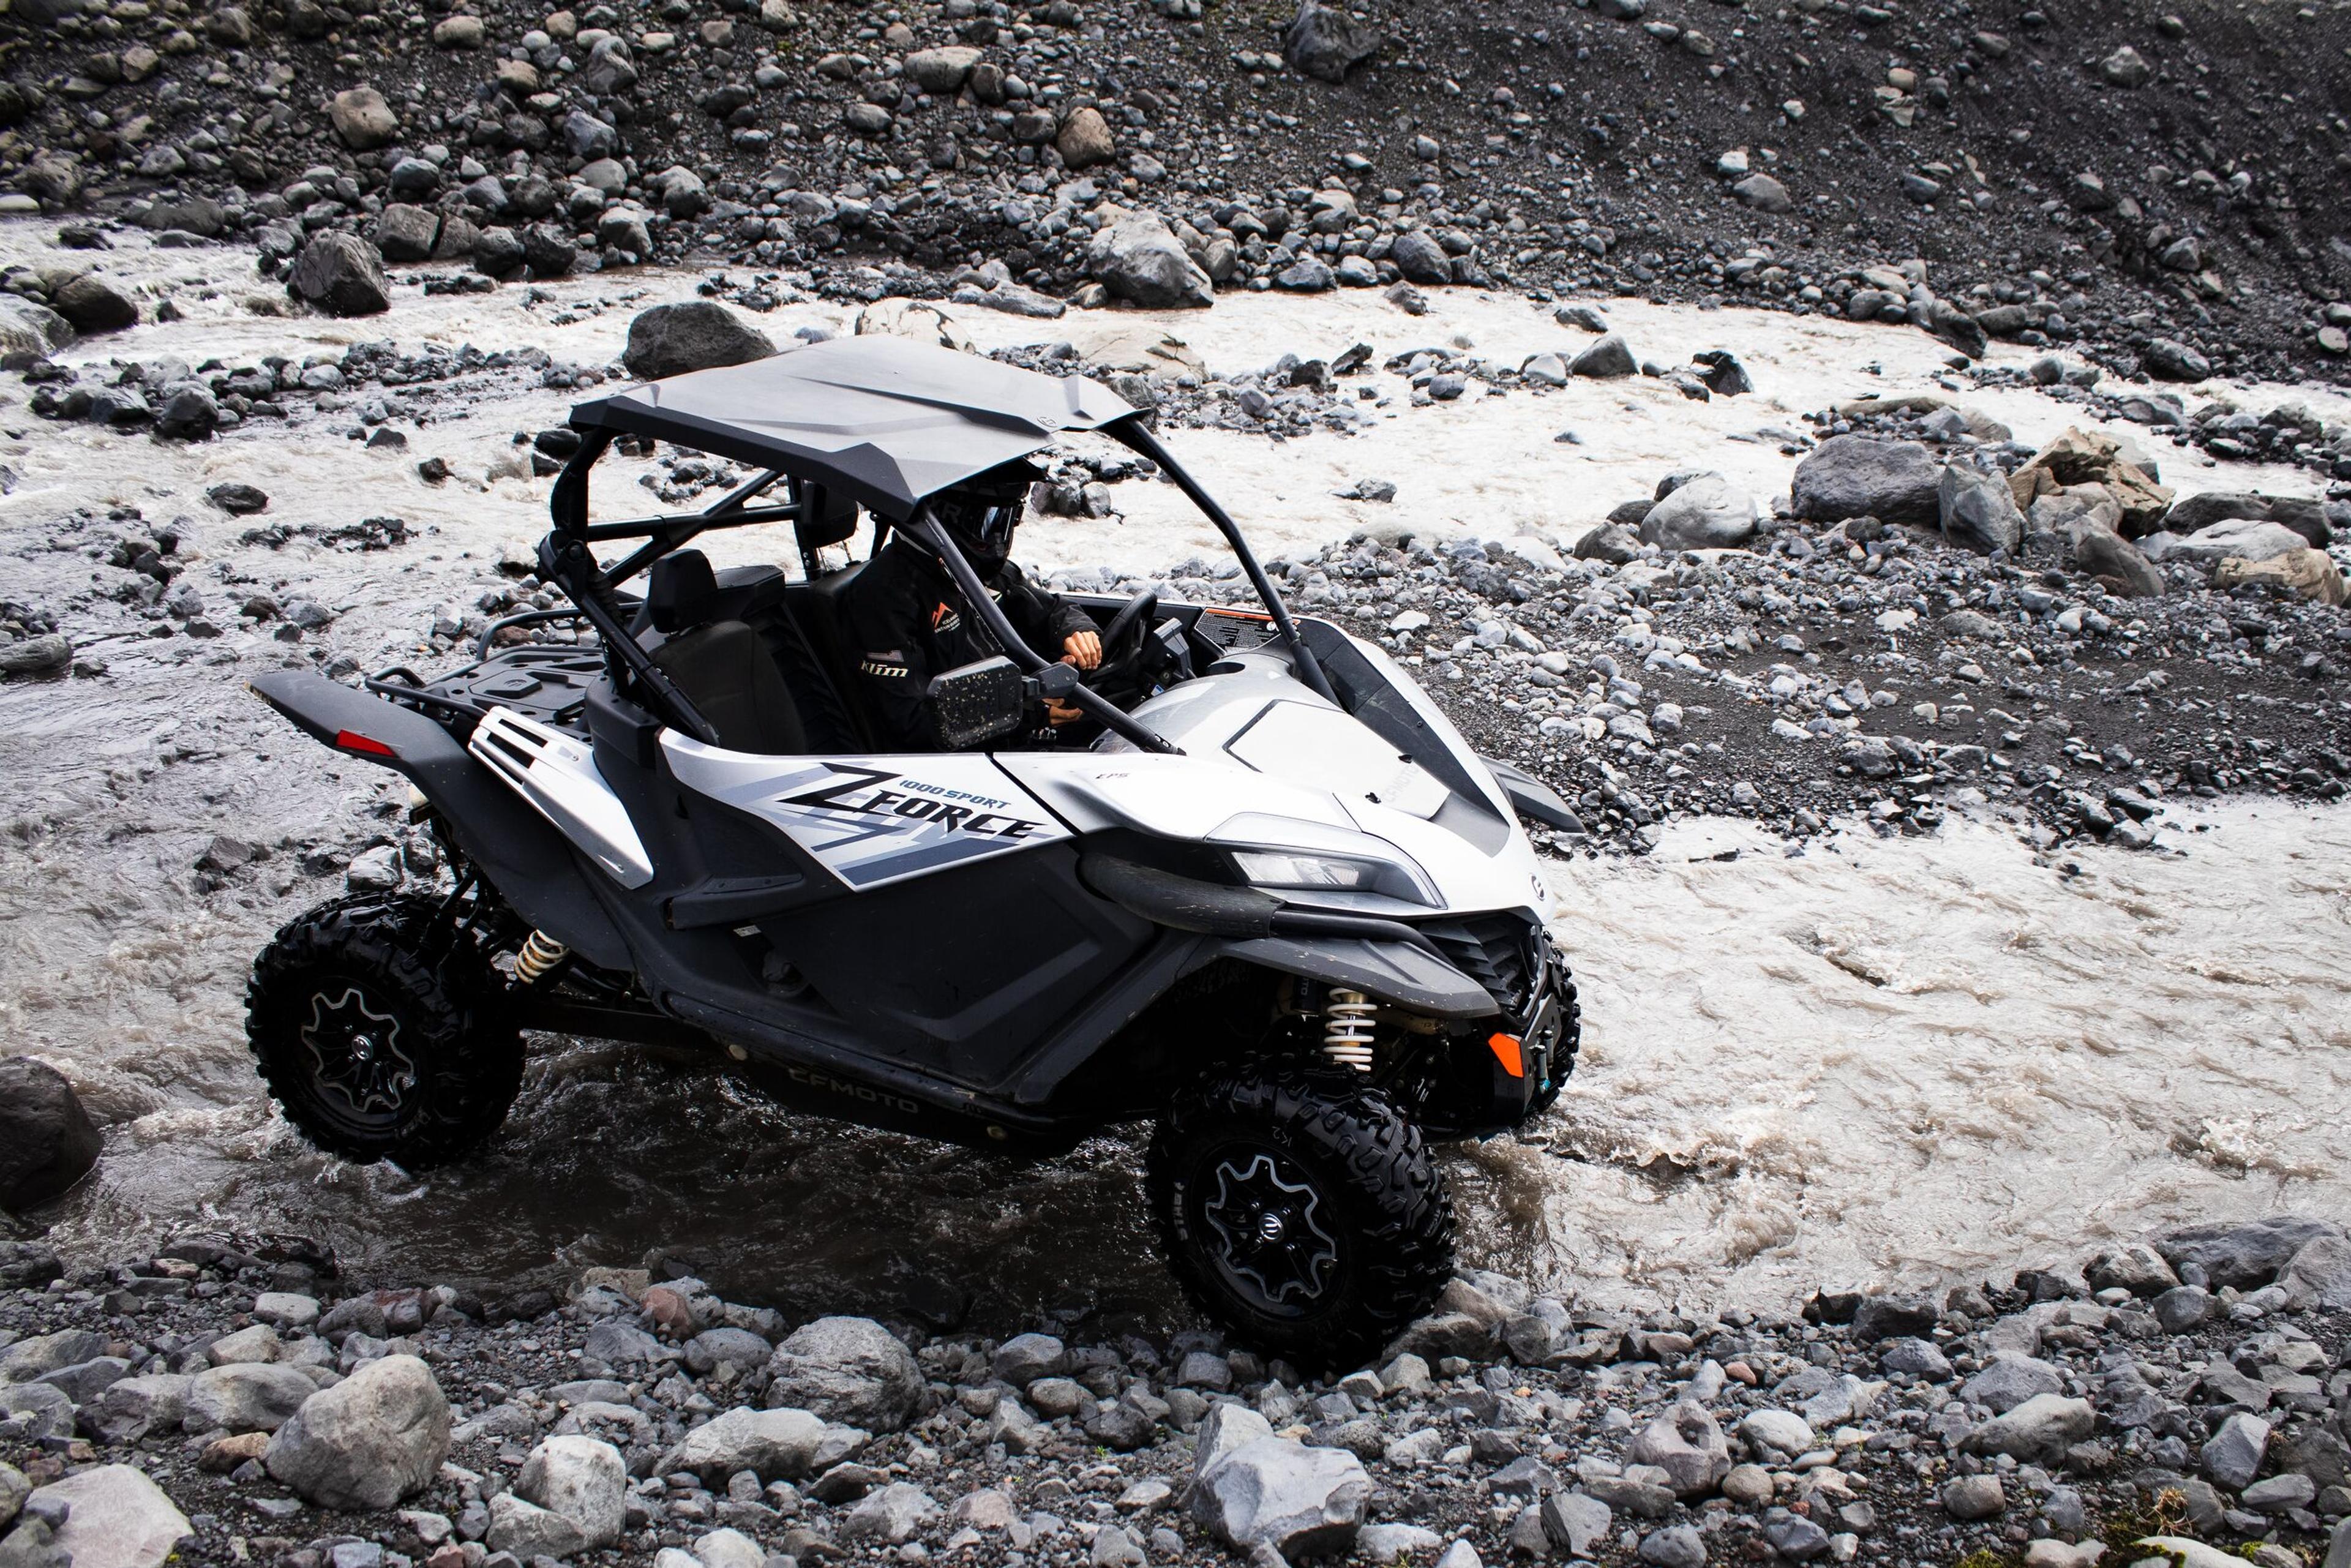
(524, 858)
(1396, 972)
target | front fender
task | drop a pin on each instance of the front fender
(1397, 972)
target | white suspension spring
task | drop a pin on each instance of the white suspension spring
(1347, 1028)
(540, 953)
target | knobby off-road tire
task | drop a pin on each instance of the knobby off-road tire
(374, 1050)
(1300, 1208)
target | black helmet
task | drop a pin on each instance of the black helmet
(981, 513)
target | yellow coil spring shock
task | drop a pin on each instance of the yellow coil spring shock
(1347, 1028)
(540, 953)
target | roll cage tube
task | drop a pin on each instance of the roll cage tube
(928, 533)
(1132, 433)
(565, 560)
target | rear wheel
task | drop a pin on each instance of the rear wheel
(1300, 1208)
(377, 1044)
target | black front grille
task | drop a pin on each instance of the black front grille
(1498, 951)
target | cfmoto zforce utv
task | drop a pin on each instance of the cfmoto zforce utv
(1278, 906)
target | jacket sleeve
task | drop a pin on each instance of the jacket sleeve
(1040, 614)
(882, 627)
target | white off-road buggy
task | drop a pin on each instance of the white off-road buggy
(1276, 906)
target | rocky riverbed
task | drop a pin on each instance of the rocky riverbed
(2181, 1400)
(1955, 741)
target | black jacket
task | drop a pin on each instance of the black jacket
(904, 620)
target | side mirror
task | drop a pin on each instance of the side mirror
(978, 702)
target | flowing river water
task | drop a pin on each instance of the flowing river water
(1907, 1059)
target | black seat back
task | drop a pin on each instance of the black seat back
(816, 607)
(724, 667)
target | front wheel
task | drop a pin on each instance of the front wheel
(377, 1043)
(1299, 1208)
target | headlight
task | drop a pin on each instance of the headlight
(1276, 868)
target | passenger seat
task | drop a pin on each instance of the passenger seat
(723, 666)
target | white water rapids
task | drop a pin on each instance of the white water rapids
(1905, 1058)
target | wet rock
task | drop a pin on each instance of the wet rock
(1685, 1443)
(406, 232)
(362, 118)
(247, 1396)
(93, 305)
(2306, 573)
(1139, 259)
(1893, 1317)
(497, 252)
(1676, 1546)
(1278, 1492)
(1085, 140)
(47, 1142)
(31, 656)
(1763, 194)
(2172, 361)
(1610, 359)
(2037, 1431)
(583, 1480)
(190, 414)
(2232, 1457)
(1867, 477)
(115, 1517)
(1704, 514)
(341, 274)
(777, 1445)
(850, 1370)
(368, 1441)
(1972, 1497)
(29, 332)
(1024, 1358)
(941, 72)
(894, 1514)
(1326, 44)
(1421, 259)
(2190, 514)
(670, 339)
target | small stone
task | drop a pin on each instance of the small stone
(1972, 1497)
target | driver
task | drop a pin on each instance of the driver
(906, 621)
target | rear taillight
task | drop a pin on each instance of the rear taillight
(365, 745)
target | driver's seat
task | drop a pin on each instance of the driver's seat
(723, 666)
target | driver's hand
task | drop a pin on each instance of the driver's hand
(1057, 714)
(1083, 649)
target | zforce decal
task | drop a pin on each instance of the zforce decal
(875, 824)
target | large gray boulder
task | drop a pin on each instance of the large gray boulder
(1327, 44)
(1278, 1492)
(135, 1406)
(2190, 514)
(1978, 511)
(2244, 1254)
(341, 274)
(2244, 538)
(366, 1442)
(778, 1445)
(1706, 513)
(2233, 1455)
(1687, 1444)
(1420, 258)
(29, 332)
(2320, 1274)
(1867, 476)
(850, 1370)
(1138, 258)
(670, 339)
(47, 1142)
(2102, 552)
(2008, 1380)
(581, 1478)
(248, 1396)
(117, 1517)
(1610, 359)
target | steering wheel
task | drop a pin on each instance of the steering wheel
(1126, 641)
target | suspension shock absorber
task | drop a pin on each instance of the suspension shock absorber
(540, 953)
(1347, 1028)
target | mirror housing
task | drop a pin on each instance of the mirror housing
(976, 703)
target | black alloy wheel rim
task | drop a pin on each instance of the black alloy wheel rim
(356, 1049)
(1268, 1231)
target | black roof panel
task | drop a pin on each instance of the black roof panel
(882, 419)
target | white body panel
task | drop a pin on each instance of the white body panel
(872, 819)
(557, 775)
